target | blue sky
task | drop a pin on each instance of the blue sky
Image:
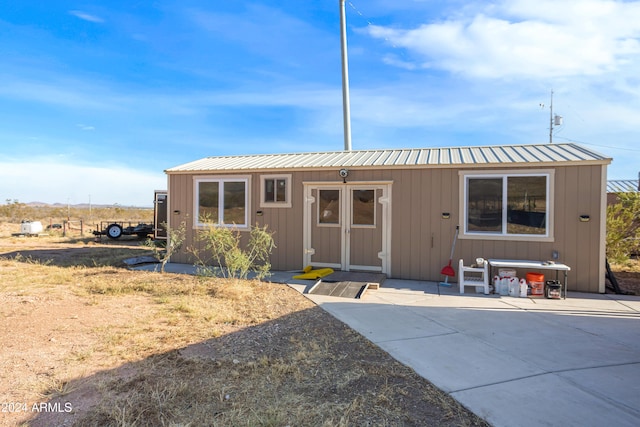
(98, 98)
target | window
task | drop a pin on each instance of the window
(222, 201)
(275, 191)
(363, 208)
(329, 207)
(507, 204)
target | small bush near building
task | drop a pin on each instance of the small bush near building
(623, 228)
(224, 248)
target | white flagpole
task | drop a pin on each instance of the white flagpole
(345, 79)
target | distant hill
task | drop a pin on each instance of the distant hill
(83, 206)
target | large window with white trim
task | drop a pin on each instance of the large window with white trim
(222, 201)
(507, 204)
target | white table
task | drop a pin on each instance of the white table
(533, 265)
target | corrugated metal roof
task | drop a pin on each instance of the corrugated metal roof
(622, 186)
(415, 157)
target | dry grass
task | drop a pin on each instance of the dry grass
(130, 348)
(631, 266)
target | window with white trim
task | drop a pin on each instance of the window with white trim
(363, 208)
(222, 201)
(275, 191)
(507, 204)
(329, 210)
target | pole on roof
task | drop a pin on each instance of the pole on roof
(345, 79)
(551, 120)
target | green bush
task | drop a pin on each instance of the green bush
(224, 246)
(623, 228)
(175, 240)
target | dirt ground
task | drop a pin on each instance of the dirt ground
(75, 351)
(629, 282)
(100, 345)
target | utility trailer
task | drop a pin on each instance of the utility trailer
(116, 229)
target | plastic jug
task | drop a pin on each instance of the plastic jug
(514, 287)
(504, 286)
(523, 288)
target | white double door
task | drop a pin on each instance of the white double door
(346, 226)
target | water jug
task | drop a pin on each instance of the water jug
(514, 287)
(523, 288)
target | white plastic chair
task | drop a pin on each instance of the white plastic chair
(474, 276)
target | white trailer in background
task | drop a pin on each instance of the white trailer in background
(30, 228)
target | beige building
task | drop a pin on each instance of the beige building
(395, 211)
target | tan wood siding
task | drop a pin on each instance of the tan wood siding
(420, 237)
(577, 242)
(180, 210)
(285, 225)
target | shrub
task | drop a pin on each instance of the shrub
(175, 240)
(223, 245)
(623, 227)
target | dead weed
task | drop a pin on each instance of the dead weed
(130, 348)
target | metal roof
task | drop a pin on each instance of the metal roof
(622, 186)
(401, 158)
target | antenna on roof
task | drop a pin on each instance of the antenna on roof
(345, 79)
(553, 120)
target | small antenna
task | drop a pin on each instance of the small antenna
(553, 120)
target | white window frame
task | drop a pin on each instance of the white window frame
(273, 204)
(341, 213)
(375, 207)
(221, 180)
(504, 175)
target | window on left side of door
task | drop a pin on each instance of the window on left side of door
(222, 201)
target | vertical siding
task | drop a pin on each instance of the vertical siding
(420, 238)
(576, 192)
(285, 225)
(401, 236)
(449, 193)
(181, 200)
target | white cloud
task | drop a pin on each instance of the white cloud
(48, 181)
(86, 16)
(57, 90)
(526, 39)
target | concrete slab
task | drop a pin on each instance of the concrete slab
(366, 319)
(456, 361)
(538, 338)
(544, 400)
(619, 384)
